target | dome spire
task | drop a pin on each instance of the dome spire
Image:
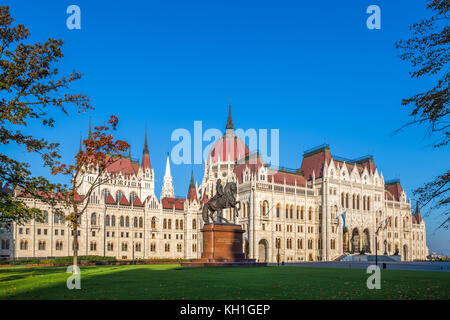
(230, 124)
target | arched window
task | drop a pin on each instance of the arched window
(368, 203)
(169, 224)
(141, 222)
(127, 221)
(194, 224)
(107, 220)
(105, 193)
(346, 200)
(302, 210)
(45, 217)
(264, 208)
(291, 212)
(119, 195)
(310, 214)
(287, 211)
(94, 219)
(354, 202)
(176, 224)
(135, 222)
(154, 223)
(122, 221)
(278, 210)
(165, 223)
(113, 221)
(181, 224)
(133, 196)
(342, 200)
(364, 202)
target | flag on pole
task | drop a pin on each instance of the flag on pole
(387, 222)
(343, 220)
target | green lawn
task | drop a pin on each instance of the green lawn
(173, 282)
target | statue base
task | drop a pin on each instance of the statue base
(222, 246)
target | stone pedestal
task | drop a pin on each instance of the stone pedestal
(222, 246)
(222, 242)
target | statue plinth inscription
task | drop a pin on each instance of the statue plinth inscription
(222, 242)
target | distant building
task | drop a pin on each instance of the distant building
(288, 215)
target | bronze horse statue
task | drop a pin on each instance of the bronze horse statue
(217, 204)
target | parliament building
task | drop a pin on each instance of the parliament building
(287, 215)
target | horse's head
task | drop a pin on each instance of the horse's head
(230, 188)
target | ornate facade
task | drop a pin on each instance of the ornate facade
(288, 215)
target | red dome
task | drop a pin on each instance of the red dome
(228, 148)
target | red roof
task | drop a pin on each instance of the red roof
(123, 201)
(388, 195)
(146, 161)
(110, 199)
(395, 189)
(228, 147)
(169, 203)
(292, 179)
(126, 166)
(252, 163)
(314, 161)
(137, 202)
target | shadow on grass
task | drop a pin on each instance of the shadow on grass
(261, 283)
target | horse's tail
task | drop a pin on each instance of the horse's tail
(205, 214)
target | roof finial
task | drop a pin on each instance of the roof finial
(230, 124)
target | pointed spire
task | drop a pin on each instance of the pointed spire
(167, 173)
(192, 191)
(230, 124)
(145, 143)
(192, 184)
(90, 129)
(145, 155)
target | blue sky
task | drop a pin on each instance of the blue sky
(310, 69)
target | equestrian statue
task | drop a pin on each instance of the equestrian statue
(223, 199)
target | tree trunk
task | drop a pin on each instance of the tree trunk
(75, 246)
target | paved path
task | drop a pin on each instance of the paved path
(415, 266)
